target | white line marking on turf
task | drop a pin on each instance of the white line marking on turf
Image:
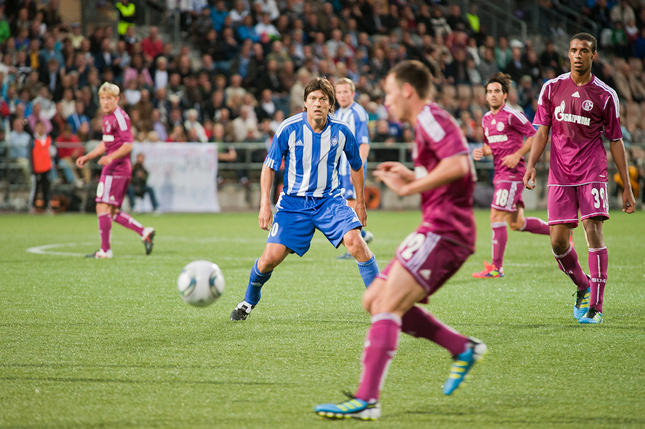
(44, 250)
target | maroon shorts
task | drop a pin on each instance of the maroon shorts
(430, 259)
(112, 189)
(563, 203)
(508, 196)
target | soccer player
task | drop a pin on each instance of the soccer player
(429, 256)
(115, 147)
(356, 117)
(311, 144)
(576, 107)
(504, 133)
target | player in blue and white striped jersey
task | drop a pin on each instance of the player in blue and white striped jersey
(311, 144)
(356, 117)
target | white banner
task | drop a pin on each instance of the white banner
(183, 175)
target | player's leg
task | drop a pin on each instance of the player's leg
(357, 247)
(499, 239)
(104, 216)
(118, 191)
(518, 222)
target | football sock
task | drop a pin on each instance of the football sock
(368, 270)
(535, 225)
(105, 228)
(598, 263)
(421, 324)
(124, 219)
(499, 239)
(380, 348)
(568, 263)
(256, 281)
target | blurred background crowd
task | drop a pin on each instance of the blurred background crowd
(240, 67)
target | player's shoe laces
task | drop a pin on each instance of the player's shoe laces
(147, 237)
(242, 311)
(101, 254)
(593, 317)
(581, 306)
(490, 272)
(352, 408)
(463, 363)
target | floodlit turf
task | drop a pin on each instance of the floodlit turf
(109, 343)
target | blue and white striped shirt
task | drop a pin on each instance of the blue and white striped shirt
(357, 119)
(311, 159)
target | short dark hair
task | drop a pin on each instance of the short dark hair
(586, 37)
(321, 84)
(501, 78)
(416, 74)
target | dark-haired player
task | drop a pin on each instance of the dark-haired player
(577, 108)
(504, 132)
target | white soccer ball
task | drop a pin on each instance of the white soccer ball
(200, 283)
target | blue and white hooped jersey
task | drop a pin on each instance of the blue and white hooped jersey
(311, 159)
(356, 118)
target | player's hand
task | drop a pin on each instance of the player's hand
(396, 168)
(361, 212)
(629, 204)
(80, 161)
(105, 160)
(393, 181)
(529, 178)
(511, 160)
(265, 218)
(478, 154)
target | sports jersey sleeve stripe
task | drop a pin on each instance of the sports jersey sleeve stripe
(430, 125)
(287, 122)
(614, 96)
(120, 119)
(362, 114)
(517, 114)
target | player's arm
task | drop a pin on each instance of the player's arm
(448, 170)
(97, 151)
(265, 217)
(617, 148)
(358, 179)
(124, 150)
(481, 152)
(404, 172)
(364, 150)
(514, 158)
(537, 147)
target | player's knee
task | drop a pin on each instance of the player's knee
(516, 226)
(559, 245)
(268, 262)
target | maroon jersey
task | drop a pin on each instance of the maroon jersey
(504, 132)
(116, 133)
(577, 116)
(448, 209)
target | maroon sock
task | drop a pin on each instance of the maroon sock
(129, 222)
(568, 263)
(499, 239)
(598, 263)
(421, 324)
(380, 348)
(105, 229)
(535, 225)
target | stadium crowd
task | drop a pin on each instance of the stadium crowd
(255, 58)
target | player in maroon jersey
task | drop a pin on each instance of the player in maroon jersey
(577, 108)
(429, 256)
(504, 133)
(115, 176)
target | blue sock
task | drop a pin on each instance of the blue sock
(256, 281)
(368, 270)
(362, 232)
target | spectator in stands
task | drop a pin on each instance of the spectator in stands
(158, 126)
(516, 67)
(139, 187)
(239, 12)
(266, 107)
(178, 135)
(18, 143)
(69, 148)
(247, 30)
(161, 73)
(36, 116)
(192, 123)
(78, 117)
(152, 45)
(127, 16)
(266, 30)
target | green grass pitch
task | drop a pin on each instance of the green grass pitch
(109, 343)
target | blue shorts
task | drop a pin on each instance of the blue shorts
(298, 218)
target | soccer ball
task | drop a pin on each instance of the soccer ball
(200, 283)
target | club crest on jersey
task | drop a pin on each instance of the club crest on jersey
(587, 105)
(560, 115)
(500, 126)
(334, 141)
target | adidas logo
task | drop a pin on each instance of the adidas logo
(575, 95)
(299, 143)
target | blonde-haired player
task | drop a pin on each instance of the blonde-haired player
(114, 150)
